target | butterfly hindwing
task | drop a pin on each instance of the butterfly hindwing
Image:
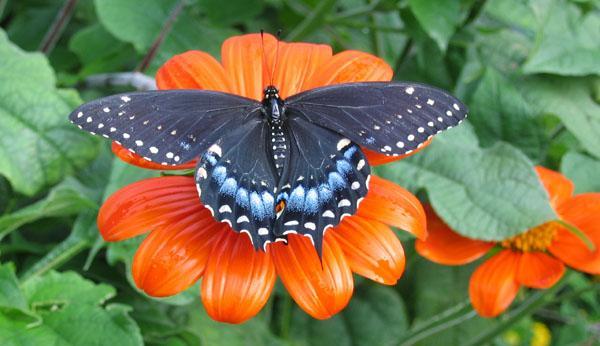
(236, 181)
(167, 126)
(325, 179)
(392, 118)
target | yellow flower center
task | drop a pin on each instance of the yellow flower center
(535, 239)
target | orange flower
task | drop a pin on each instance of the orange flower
(535, 258)
(186, 243)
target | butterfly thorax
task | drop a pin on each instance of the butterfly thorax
(273, 109)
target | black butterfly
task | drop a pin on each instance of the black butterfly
(276, 167)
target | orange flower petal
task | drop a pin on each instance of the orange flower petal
(539, 270)
(193, 70)
(447, 247)
(136, 160)
(351, 66)
(493, 285)
(320, 289)
(173, 257)
(376, 158)
(296, 64)
(147, 204)
(559, 187)
(391, 204)
(371, 249)
(238, 279)
(242, 58)
(583, 211)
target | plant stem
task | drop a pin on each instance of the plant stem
(57, 27)
(402, 58)
(442, 321)
(356, 12)
(164, 31)
(286, 316)
(312, 21)
(532, 303)
(361, 25)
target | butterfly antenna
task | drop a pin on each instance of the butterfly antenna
(276, 56)
(264, 55)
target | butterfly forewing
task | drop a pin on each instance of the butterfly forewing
(169, 126)
(391, 118)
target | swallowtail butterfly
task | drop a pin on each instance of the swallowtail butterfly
(276, 167)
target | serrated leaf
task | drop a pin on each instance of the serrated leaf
(582, 170)
(567, 42)
(38, 146)
(488, 194)
(375, 316)
(438, 18)
(71, 313)
(500, 113)
(570, 99)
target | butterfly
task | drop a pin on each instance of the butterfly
(276, 167)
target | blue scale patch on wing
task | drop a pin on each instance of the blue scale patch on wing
(166, 126)
(236, 181)
(392, 118)
(324, 180)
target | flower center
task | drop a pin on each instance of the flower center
(535, 239)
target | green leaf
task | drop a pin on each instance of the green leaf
(233, 12)
(500, 113)
(571, 100)
(67, 198)
(72, 312)
(11, 296)
(488, 194)
(438, 18)
(567, 42)
(512, 13)
(125, 21)
(582, 170)
(99, 51)
(128, 22)
(38, 146)
(376, 315)
(210, 332)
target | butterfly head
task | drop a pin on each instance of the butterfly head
(271, 92)
(272, 104)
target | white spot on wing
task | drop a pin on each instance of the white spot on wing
(225, 209)
(360, 164)
(310, 225)
(328, 213)
(409, 90)
(344, 203)
(342, 143)
(216, 149)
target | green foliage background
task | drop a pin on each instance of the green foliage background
(528, 69)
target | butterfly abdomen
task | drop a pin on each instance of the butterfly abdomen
(279, 145)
